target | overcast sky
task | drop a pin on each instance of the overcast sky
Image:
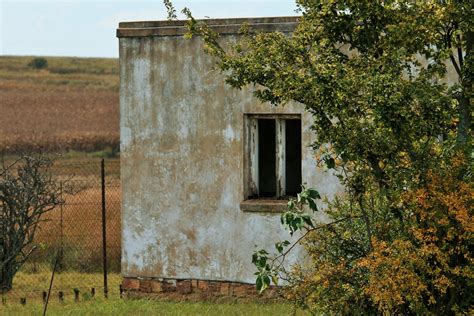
(87, 28)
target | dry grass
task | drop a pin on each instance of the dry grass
(77, 229)
(77, 225)
(32, 285)
(71, 105)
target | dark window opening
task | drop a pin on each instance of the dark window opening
(266, 157)
(293, 157)
(274, 156)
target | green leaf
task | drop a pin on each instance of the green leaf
(312, 205)
(291, 205)
(330, 163)
(265, 283)
(308, 221)
(259, 259)
(313, 194)
(279, 247)
(259, 283)
(275, 279)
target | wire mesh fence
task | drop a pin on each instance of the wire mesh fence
(70, 239)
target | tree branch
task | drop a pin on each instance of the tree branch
(455, 64)
(283, 255)
(460, 57)
(366, 218)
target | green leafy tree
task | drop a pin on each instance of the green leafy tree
(372, 75)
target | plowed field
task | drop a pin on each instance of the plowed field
(72, 104)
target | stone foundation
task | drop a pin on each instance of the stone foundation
(194, 289)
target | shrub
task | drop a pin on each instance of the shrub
(420, 263)
(38, 63)
(27, 192)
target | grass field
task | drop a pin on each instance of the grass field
(147, 307)
(32, 285)
(70, 105)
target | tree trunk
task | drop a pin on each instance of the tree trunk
(464, 127)
(6, 277)
(7, 269)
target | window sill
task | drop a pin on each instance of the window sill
(264, 206)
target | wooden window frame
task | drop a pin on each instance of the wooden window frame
(251, 163)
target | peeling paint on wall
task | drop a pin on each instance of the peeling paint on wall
(182, 151)
(229, 133)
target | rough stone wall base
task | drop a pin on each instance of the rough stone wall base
(194, 290)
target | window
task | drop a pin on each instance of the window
(273, 164)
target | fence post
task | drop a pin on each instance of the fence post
(61, 226)
(76, 295)
(104, 232)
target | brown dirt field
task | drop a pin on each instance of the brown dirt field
(79, 120)
(76, 226)
(74, 110)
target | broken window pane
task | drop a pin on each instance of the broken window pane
(293, 157)
(266, 158)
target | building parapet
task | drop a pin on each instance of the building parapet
(221, 26)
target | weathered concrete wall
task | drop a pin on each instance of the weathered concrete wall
(182, 151)
(182, 157)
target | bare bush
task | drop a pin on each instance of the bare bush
(27, 192)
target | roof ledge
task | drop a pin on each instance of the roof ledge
(221, 26)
